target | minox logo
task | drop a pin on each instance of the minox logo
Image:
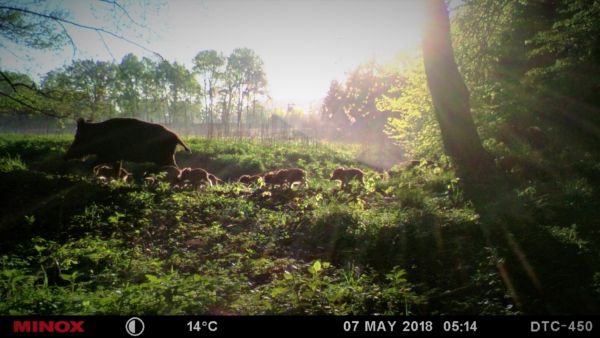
(51, 326)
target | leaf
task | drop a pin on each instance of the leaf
(313, 285)
(278, 291)
(30, 219)
(70, 278)
(287, 275)
(315, 268)
(152, 279)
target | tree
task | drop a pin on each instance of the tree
(148, 102)
(353, 110)
(83, 88)
(365, 86)
(19, 27)
(332, 110)
(154, 89)
(246, 73)
(22, 99)
(130, 84)
(181, 84)
(493, 45)
(414, 127)
(565, 70)
(532, 63)
(208, 65)
(26, 25)
(450, 98)
(257, 83)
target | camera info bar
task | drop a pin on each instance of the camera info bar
(334, 326)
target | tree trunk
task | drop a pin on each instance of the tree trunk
(240, 107)
(451, 98)
(227, 111)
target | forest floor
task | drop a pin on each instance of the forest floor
(407, 243)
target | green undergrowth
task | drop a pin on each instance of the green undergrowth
(405, 244)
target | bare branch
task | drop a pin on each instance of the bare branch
(7, 79)
(105, 45)
(76, 24)
(118, 5)
(70, 39)
(16, 85)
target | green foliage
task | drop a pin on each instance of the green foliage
(321, 290)
(351, 111)
(32, 31)
(409, 244)
(9, 163)
(416, 129)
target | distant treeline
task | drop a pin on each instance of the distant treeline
(218, 89)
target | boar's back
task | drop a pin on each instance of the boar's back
(132, 140)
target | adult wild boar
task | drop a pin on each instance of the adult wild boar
(125, 139)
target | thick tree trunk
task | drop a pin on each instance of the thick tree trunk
(451, 97)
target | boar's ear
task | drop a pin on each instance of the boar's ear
(80, 121)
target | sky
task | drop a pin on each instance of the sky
(305, 44)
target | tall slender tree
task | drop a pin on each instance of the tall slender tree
(248, 76)
(130, 77)
(208, 64)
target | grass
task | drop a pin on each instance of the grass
(407, 245)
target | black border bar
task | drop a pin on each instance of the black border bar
(330, 326)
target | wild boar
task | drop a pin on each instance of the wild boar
(173, 176)
(149, 180)
(269, 177)
(286, 176)
(195, 177)
(249, 179)
(105, 172)
(125, 139)
(245, 179)
(214, 179)
(346, 175)
(125, 175)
